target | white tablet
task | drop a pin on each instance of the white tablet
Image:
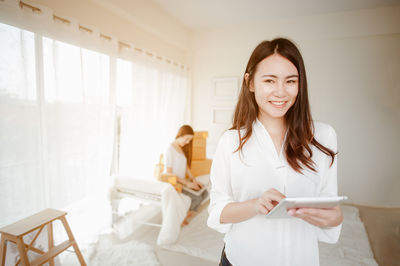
(280, 210)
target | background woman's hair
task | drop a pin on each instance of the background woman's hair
(187, 149)
(300, 134)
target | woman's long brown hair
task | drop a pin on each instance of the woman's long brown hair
(300, 133)
(188, 148)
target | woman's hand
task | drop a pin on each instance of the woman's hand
(319, 217)
(193, 185)
(197, 183)
(268, 200)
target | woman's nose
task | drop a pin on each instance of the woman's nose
(280, 89)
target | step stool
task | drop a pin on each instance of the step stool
(16, 231)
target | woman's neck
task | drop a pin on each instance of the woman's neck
(177, 146)
(276, 127)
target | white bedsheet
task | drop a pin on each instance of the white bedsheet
(353, 247)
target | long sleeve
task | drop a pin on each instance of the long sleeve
(221, 190)
(169, 157)
(329, 189)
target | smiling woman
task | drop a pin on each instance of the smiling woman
(274, 150)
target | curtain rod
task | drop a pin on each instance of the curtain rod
(66, 21)
(33, 8)
(106, 37)
(63, 20)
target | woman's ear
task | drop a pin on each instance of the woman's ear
(248, 82)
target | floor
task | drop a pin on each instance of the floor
(383, 228)
(148, 235)
(168, 258)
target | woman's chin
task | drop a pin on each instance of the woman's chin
(275, 114)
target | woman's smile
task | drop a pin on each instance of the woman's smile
(278, 104)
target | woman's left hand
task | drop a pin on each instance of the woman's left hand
(198, 183)
(319, 217)
(193, 185)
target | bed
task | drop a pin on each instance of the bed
(353, 247)
(174, 205)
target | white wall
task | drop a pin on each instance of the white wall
(353, 67)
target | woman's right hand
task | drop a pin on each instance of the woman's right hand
(268, 200)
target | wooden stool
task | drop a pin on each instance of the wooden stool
(16, 231)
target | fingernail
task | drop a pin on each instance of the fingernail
(291, 212)
(299, 212)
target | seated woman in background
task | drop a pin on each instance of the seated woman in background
(178, 162)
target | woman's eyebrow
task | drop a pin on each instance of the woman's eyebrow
(274, 76)
(269, 76)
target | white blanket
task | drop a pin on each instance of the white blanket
(174, 208)
(174, 205)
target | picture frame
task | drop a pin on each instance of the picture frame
(222, 115)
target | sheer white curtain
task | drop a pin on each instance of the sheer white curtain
(56, 129)
(78, 128)
(59, 92)
(20, 139)
(78, 121)
(153, 97)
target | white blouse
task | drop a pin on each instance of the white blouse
(238, 178)
(176, 161)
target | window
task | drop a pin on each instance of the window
(57, 123)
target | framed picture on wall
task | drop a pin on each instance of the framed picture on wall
(225, 88)
(222, 116)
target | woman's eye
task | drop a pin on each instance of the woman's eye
(292, 81)
(269, 81)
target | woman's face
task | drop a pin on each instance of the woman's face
(184, 140)
(275, 85)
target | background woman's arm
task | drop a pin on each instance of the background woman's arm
(184, 181)
(180, 180)
(189, 173)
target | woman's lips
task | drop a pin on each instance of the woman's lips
(278, 104)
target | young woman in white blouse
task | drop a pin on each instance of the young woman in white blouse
(178, 162)
(274, 150)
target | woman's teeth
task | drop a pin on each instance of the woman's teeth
(278, 103)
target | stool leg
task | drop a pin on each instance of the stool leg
(3, 250)
(71, 238)
(50, 240)
(22, 252)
